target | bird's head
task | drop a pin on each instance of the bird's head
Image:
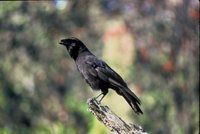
(74, 46)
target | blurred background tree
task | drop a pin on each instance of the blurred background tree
(153, 44)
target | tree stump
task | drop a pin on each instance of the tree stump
(114, 123)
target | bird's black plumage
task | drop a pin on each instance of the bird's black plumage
(98, 74)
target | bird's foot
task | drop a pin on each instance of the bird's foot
(99, 101)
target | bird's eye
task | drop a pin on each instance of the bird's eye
(73, 44)
(70, 48)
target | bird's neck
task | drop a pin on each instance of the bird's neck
(75, 55)
(83, 53)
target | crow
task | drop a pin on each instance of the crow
(98, 74)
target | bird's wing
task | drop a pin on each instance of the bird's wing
(101, 70)
(114, 79)
(104, 72)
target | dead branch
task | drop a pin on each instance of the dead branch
(114, 123)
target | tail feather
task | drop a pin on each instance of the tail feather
(132, 100)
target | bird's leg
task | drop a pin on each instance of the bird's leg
(99, 101)
(99, 95)
(104, 92)
(102, 97)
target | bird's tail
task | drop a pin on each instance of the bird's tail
(132, 100)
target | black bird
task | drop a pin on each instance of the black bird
(98, 74)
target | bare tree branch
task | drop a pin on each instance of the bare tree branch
(114, 123)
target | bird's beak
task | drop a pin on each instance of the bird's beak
(61, 42)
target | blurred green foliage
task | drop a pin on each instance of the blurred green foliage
(41, 91)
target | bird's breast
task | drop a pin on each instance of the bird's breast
(93, 81)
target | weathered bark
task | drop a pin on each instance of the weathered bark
(114, 123)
